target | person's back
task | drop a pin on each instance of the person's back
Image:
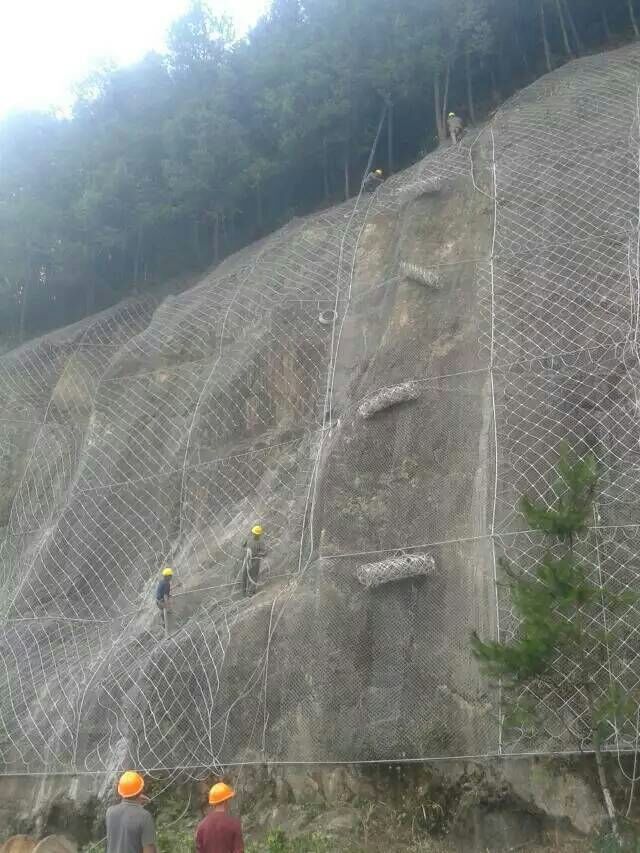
(130, 828)
(219, 833)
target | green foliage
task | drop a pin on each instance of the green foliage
(278, 842)
(173, 162)
(573, 509)
(175, 840)
(608, 843)
(563, 643)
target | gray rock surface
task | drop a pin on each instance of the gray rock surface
(157, 434)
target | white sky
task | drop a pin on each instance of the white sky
(46, 46)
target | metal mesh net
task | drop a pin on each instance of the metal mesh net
(158, 434)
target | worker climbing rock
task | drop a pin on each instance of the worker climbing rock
(456, 128)
(163, 596)
(373, 181)
(254, 551)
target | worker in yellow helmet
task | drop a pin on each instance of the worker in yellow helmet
(163, 595)
(130, 829)
(253, 552)
(456, 128)
(219, 832)
(373, 180)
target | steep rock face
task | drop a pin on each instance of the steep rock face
(159, 433)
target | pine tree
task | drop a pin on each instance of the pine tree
(568, 625)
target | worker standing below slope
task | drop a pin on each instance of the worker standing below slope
(373, 181)
(163, 596)
(219, 832)
(456, 128)
(254, 551)
(130, 828)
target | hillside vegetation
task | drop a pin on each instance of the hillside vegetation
(168, 165)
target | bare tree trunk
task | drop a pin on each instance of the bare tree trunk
(196, 240)
(137, 259)
(593, 720)
(445, 100)
(572, 26)
(545, 40)
(437, 106)
(604, 786)
(325, 169)
(632, 16)
(390, 164)
(522, 52)
(90, 287)
(347, 182)
(565, 34)
(495, 91)
(605, 25)
(23, 310)
(216, 238)
(90, 297)
(259, 211)
(470, 102)
(232, 229)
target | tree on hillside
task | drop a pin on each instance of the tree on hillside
(559, 667)
(477, 41)
(206, 167)
(199, 42)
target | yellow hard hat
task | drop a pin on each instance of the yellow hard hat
(452, 115)
(378, 172)
(167, 573)
(131, 784)
(257, 530)
(220, 793)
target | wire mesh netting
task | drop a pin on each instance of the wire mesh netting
(159, 434)
(564, 285)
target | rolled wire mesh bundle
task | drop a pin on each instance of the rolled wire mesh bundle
(398, 568)
(428, 277)
(387, 397)
(426, 186)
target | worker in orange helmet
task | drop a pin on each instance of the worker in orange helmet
(219, 832)
(130, 828)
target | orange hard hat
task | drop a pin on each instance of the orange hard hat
(220, 793)
(131, 784)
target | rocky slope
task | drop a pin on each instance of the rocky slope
(494, 277)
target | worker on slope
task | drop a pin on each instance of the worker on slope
(254, 551)
(373, 181)
(163, 595)
(130, 828)
(456, 128)
(219, 832)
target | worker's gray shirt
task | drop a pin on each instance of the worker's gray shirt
(455, 124)
(129, 828)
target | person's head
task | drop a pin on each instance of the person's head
(167, 574)
(257, 531)
(220, 796)
(452, 115)
(131, 787)
(378, 173)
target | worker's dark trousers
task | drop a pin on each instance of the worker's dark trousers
(250, 576)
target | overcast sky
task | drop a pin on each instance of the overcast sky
(48, 45)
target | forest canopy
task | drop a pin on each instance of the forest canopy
(167, 166)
